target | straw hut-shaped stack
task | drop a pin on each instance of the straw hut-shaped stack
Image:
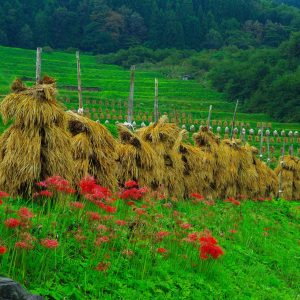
(165, 139)
(37, 145)
(215, 162)
(267, 179)
(197, 179)
(137, 160)
(94, 150)
(242, 174)
(289, 171)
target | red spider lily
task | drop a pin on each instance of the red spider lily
(41, 184)
(91, 190)
(161, 234)
(59, 184)
(133, 194)
(101, 192)
(140, 211)
(1, 202)
(25, 213)
(45, 193)
(102, 227)
(131, 184)
(233, 231)
(12, 223)
(110, 209)
(94, 216)
(99, 241)
(197, 196)
(210, 250)
(3, 195)
(87, 185)
(49, 244)
(192, 237)
(103, 266)
(208, 240)
(185, 225)
(3, 250)
(23, 245)
(130, 203)
(233, 201)
(121, 222)
(162, 250)
(77, 205)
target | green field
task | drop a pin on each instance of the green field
(174, 95)
(151, 250)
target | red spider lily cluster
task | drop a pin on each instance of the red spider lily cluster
(132, 191)
(50, 244)
(96, 194)
(209, 248)
(95, 225)
(56, 183)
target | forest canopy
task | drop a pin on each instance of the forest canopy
(103, 26)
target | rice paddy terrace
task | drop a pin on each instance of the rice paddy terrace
(107, 87)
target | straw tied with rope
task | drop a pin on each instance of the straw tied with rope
(44, 141)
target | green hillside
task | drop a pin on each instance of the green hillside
(113, 82)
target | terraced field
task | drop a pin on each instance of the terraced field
(175, 96)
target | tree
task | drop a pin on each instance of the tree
(25, 37)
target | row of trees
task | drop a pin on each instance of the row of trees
(108, 25)
(263, 79)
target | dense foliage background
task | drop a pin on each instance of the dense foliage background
(248, 49)
(108, 25)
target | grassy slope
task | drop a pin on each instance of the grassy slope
(184, 96)
(261, 259)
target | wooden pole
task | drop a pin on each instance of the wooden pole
(131, 94)
(156, 116)
(80, 104)
(292, 150)
(233, 119)
(268, 147)
(280, 173)
(38, 70)
(209, 117)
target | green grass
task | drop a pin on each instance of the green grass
(182, 96)
(261, 259)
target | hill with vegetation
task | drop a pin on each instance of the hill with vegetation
(109, 25)
(248, 50)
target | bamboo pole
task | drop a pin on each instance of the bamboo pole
(80, 104)
(233, 119)
(131, 95)
(156, 116)
(38, 70)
